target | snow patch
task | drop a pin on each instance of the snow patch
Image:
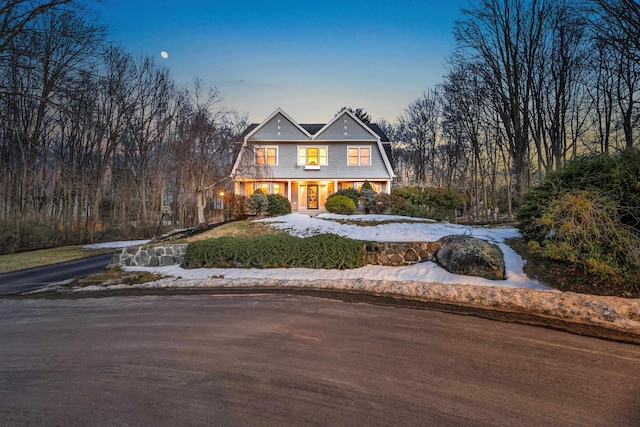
(408, 230)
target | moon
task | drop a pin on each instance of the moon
(164, 54)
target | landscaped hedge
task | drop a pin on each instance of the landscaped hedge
(278, 205)
(588, 213)
(277, 251)
(613, 176)
(427, 202)
(337, 203)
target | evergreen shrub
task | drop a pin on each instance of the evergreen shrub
(427, 202)
(351, 193)
(337, 203)
(615, 177)
(256, 203)
(385, 203)
(276, 251)
(366, 185)
(278, 205)
(367, 196)
(585, 228)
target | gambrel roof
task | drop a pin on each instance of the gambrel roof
(344, 127)
(311, 128)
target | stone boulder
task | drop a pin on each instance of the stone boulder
(471, 256)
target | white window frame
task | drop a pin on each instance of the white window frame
(306, 156)
(359, 148)
(266, 157)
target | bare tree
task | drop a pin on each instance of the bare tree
(16, 17)
(616, 34)
(504, 38)
(151, 95)
(40, 62)
(619, 24)
(204, 145)
(418, 132)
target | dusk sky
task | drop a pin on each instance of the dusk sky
(309, 58)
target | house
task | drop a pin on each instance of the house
(308, 162)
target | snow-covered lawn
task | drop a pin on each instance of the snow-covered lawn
(380, 228)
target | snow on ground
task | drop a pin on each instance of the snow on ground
(364, 227)
(116, 245)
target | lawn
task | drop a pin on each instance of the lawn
(21, 260)
(561, 276)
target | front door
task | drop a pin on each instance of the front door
(312, 197)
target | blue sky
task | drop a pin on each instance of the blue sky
(309, 58)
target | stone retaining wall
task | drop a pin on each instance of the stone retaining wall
(392, 254)
(397, 254)
(149, 256)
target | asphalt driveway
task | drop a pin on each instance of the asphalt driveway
(296, 360)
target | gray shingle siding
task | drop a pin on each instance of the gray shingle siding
(345, 128)
(337, 167)
(343, 131)
(279, 128)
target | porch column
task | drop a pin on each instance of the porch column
(289, 190)
(335, 186)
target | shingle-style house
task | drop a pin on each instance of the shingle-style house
(308, 162)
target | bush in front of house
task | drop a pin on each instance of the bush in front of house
(256, 203)
(367, 196)
(340, 204)
(234, 206)
(276, 251)
(278, 205)
(351, 193)
(385, 203)
(427, 202)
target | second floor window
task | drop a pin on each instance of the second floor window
(359, 156)
(267, 156)
(312, 156)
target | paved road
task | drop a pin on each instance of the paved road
(297, 360)
(37, 277)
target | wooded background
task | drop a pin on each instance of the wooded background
(98, 143)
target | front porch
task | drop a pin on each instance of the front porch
(306, 196)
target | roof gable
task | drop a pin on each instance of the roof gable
(278, 127)
(346, 126)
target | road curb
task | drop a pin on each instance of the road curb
(612, 313)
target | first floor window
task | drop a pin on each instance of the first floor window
(359, 156)
(266, 156)
(248, 188)
(264, 187)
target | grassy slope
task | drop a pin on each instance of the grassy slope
(40, 257)
(12, 262)
(561, 276)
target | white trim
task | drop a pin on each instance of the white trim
(306, 147)
(357, 120)
(359, 147)
(375, 136)
(268, 119)
(264, 122)
(266, 147)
